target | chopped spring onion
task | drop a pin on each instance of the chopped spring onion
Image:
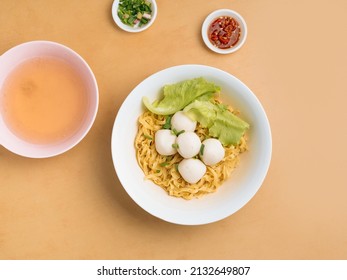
(134, 12)
(148, 136)
(175, 132)
(167, 124)
(165, 163)
(175, 146)
(202, 149)
(180, 132)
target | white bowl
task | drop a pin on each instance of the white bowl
(130, 28)
(34, 49)
(214, 15)
(235, 192)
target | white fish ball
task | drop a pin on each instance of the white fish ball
(191, 170)
(164, 139)
(213, 151)
(180, 121)
(188, 144)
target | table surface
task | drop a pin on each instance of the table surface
(72, 206)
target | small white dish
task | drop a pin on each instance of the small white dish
(235, 192)
(128, 28)
(220, 13)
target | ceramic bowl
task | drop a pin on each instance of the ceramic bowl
(220, 13)
(235, 192)
(34, 49)
(131, 29)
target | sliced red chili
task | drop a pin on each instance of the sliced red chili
(224, 32)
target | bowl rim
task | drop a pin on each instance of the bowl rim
(224, 12)
(128, 28)
(191, 218)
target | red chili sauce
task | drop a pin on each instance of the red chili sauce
(224, 32)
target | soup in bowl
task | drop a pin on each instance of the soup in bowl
(48, 99)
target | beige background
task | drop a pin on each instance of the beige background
(73, 207)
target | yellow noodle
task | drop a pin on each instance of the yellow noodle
(162, 170)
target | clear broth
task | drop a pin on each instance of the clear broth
(44, 100)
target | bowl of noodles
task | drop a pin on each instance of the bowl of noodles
(154, 181)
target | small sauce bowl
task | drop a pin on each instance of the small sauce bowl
(129, 28)
(218, 14)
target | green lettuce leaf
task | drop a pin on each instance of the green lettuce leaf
(203, 112)
(221, 123)
(179, 95)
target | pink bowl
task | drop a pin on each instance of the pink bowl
(16, 55)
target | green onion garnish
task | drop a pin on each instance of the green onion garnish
(167, 124)
(134, 12)
(148, 136)
(175, 146)
(175, 132)
(202, 149)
